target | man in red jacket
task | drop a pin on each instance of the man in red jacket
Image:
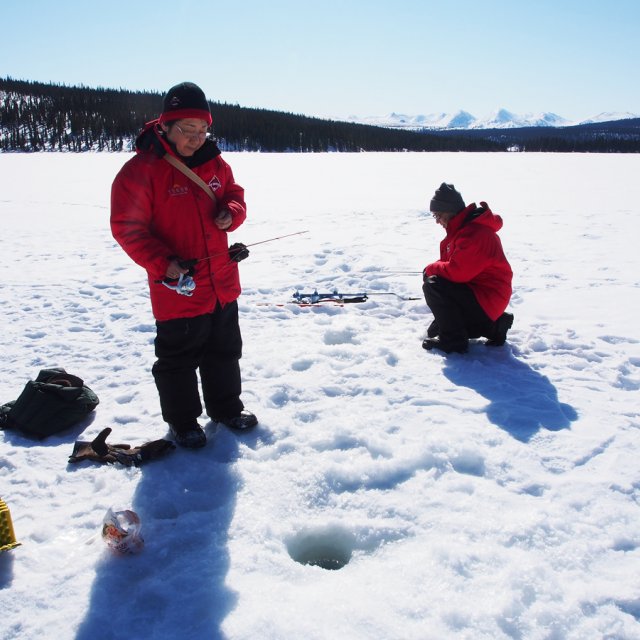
(469, 287)
(174, 224)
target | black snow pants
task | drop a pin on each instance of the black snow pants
(210, 343)
(456, 311)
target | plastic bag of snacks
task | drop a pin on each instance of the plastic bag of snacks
(121, 531)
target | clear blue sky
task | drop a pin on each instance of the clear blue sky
(576, 58)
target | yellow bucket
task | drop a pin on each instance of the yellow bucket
(7, 536)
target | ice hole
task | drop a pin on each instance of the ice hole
(325, 547)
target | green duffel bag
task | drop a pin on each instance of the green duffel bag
(53, 402)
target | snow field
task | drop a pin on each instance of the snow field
(491, 495)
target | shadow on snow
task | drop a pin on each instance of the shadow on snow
(521, 400)
(176, 587)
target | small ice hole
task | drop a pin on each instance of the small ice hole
(328, 548)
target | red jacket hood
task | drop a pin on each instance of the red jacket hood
(476, 215)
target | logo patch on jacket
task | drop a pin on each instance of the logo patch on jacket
(215, 183)
(178, 190)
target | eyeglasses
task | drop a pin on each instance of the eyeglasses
(189, 132)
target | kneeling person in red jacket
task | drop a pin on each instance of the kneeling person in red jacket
(162, 217)
(469, 287)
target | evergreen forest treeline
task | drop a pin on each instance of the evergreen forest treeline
(51, 117)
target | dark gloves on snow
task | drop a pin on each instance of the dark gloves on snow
(99, 451)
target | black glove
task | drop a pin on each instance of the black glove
(238, 252)
(429, 279)
(99, 451)
(189, 264)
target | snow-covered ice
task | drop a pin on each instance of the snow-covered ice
(491, 495)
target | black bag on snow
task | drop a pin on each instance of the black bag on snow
(55, 401)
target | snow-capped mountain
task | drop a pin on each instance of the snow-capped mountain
(608, 117)
(499, 119)
(458, 120)
(503, 119)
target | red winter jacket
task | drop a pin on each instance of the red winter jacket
(158, 213)
(472, 253)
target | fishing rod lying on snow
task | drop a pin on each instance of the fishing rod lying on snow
(185, 285)
(303, 298)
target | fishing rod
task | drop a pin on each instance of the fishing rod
(239, 247)
(237, 252)
(381, 274)
(300, 297)
(391, 293)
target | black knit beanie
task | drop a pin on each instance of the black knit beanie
(446, 199)
(185, 100)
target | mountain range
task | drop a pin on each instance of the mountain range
(500, 119)
(35, 116)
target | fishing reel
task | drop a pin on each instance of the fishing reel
(185, 286)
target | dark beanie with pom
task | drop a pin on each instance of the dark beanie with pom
(185, 100)
(446, 199)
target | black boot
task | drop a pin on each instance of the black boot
(244, 420)
(501, 327)
(447, 347)
(189, 435)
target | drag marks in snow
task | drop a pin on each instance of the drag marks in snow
(629, 375)
(596, 451)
